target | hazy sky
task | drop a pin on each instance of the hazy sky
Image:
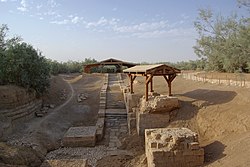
(130, 30)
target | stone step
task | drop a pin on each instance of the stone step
(115, 106)
(116, 115)
(116, 112)
(80, 136)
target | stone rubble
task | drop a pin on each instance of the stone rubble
(173, 147)
(44, 110)
(159, 104)
(92, 154)
(81, 97)
(63, 94)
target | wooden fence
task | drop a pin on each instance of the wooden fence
(238, 79)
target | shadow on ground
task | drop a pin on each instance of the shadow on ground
(214, 151)
(191, 102)
(211, 97)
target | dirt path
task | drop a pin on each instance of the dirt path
(72, 93)
(220, 114)
(44, 134)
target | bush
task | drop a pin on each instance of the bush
(22, 65)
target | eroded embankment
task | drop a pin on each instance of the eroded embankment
(219, 113)
(41, 135)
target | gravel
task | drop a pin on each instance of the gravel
(92, 154)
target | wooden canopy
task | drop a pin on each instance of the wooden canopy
(149, 71)
(111, 61)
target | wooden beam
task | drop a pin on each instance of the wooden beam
(151, 85)
(146, 88)
(168, 79)
(131, 78)
(148, 79)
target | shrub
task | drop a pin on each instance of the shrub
(22, 65)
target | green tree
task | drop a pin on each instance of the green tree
(4, 42)
(21, 64)
(24, 66)
(223, 41)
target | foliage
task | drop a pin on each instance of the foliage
(69, 66)
(6, 43)
(223, 41)
(22, 65)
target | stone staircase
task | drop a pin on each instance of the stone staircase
(111, 124)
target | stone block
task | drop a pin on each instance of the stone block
(131, 124)
(102, 106)
(159, 104)
(149, 121)
(132, 101)
(100, 128)
(194, 145)
(163, 148)
(101, 113)
(80, 136)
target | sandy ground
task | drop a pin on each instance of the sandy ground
(219, 113)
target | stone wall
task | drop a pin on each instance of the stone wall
(149, 121)
(155, 113)
(16, 105)
(131, 102)
(13, 96)
(173, 147)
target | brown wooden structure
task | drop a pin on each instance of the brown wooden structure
(117, 63)
(149, 71)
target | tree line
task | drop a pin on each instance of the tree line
(224, 42)
(223, 45)
(22, 65)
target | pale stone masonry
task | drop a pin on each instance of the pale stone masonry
(173, 147)
(100, 128)
(148, 121)
(80, 137)
(155, 113)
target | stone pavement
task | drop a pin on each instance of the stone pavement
(115, 115)
(115, 129)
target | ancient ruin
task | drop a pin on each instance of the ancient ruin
(173, 147)
(118, 124)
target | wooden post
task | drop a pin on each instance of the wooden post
(131, 79)
(169, 80)
(146, 88)
(169, 89)
(131, 84)
(151, 85)
(148, 79)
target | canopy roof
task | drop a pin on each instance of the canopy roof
(155, 69)
(111, 61)
(149, 71)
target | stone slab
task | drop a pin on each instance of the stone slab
(116, 111)
(80, 136)
(150, 121)
(102, 106)
(100, 128)
(65, 163)
(101, 113)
